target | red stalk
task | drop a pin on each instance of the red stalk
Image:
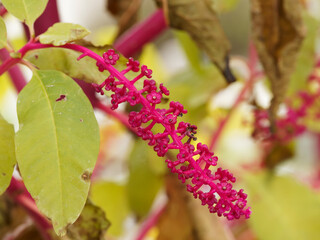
(150, 222)
(15, 73)
(19, 194)
(252, 61)
(137, 36)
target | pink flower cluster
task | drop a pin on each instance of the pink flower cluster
(194, 165)
(292, 123)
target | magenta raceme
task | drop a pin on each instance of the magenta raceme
(193, 164)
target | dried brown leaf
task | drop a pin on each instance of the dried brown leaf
(277, 155)
(91, 224)
(200, 21)
(175, 223)
(186, 219)
(11, 216)
(126, 12)
(278, 31)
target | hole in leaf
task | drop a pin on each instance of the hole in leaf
(86, 176)
(62, 97)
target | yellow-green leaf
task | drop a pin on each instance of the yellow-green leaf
(190, 48)
(7, 155)
(3, 33)
(306, 56)
(143, 183)
(112, 198)
(57, 145)
(282, 208)
(65, 60)
(25, 10)
(62, 33)
(203, 85)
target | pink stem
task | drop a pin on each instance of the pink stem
(150, 222)
(19, 194)
(137, 36)
(15, 73)
(3, 10)
(223, 122)
(86, 52)
(252, 62)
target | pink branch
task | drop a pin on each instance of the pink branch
(19, 194)
(150, 222)
(253, 59)
(137, 36)
(15, 73)
(3, 10)
(223, 122)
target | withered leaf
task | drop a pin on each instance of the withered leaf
(11, 216)
(175, 223)
(91, 225)
(125, 11)
(200, 21)
(278, 31)
(185, 218)
(278, 154)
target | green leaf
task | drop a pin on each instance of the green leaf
(57, 145)
(7, 155)
(112, 198)
(62, 33)
(283, 208)
(91, 225)
(143, 183)
(194, 89)
(3, 33)
(25, 10)
(65, 60)
(190, 48)
(306, 57)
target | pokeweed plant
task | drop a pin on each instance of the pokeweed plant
(57, 143)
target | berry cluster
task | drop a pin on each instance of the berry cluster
(193, 164)
(292, 124)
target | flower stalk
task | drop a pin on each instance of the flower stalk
(193, 165)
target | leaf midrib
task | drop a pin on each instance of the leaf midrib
(26, 11)
(56, 140)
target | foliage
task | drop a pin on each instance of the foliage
(85, 174)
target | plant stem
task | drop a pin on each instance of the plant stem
(223, 122)
(15, 73)
(137, 36)
(86, 52)
(252, 61)
(19, 194)
(3, 10)
(150, 222)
